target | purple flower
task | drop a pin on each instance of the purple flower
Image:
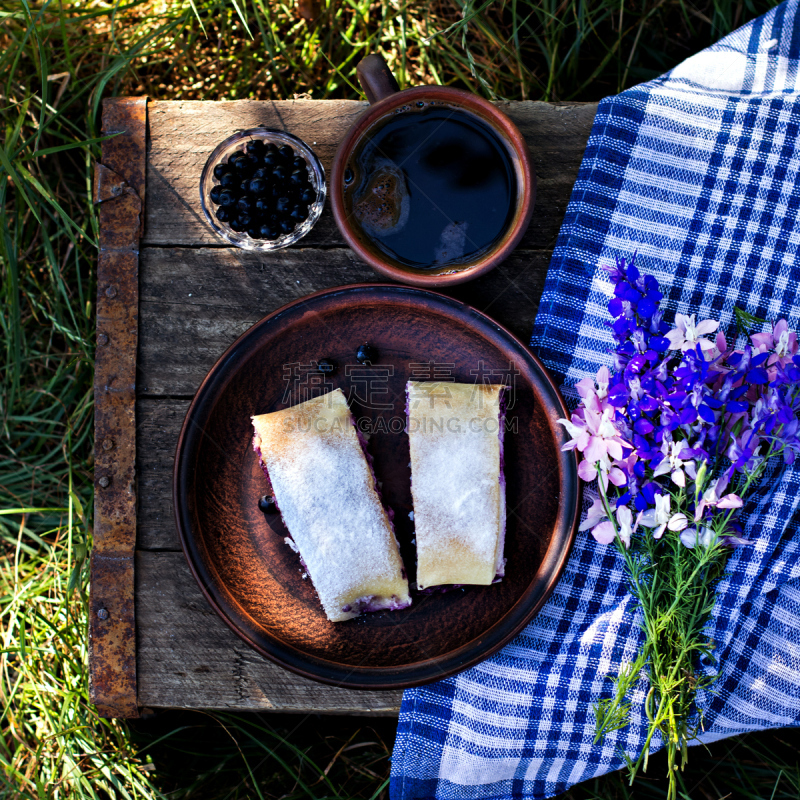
(678, 400)
(743, 452)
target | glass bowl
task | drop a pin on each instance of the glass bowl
(237, 142)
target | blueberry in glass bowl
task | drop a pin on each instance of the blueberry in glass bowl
(262, 189)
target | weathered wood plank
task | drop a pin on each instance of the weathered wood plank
(158, 423)
(183, 135)
(188, 658)
(196, 302)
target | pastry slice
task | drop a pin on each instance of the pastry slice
(455, 434)
(325, 490)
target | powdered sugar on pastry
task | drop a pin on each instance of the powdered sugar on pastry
(325, 490)
(459, 498)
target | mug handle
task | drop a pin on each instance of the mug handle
(376, 78)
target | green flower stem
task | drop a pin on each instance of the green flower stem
(673, 585)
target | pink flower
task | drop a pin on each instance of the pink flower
(712, 498)
(719, 352)
(781, 341)
(686, 335)
(594, 515)
(592, 396)
(594, 435)
(604, 532)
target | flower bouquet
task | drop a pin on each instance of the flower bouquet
(676, 436)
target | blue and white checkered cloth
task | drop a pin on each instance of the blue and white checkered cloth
(699, 172)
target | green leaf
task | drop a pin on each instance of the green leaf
(746, 321)
(73, 145)
(18, 183)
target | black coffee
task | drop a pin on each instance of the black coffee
(431, 187)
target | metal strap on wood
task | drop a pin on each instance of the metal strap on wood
(119, 183)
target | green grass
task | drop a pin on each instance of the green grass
(57, 61)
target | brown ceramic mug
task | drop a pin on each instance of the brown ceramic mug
(386, 102)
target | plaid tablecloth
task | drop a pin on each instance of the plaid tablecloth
(697, 171)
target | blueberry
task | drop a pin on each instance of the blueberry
(267, 504)
(220, 170)
(268, 231)
(293, 193)
(258, 185)
(256, 147)
(214, 194)
(299, 213)
(228, 180)
(227, 198)
(348, 176)
(299, 163)
(263, 172)
(271, 159)
(283, 205)
(274, 191)
(243, 168)
(238, 224)
(244, 186)
(286, 151)
(280, 173)
(326, 365)
(366, 354)
(270, 148)
(286, 225)
(223, 214)
(308, 195)
(299, 177)
(238, 161)
(254, 232)
(254, 161)
(246, 203)
(262, 205)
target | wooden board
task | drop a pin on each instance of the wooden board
(197, 295)
(195, 302)
(191, 659)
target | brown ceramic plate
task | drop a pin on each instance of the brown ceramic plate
(238, 555)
